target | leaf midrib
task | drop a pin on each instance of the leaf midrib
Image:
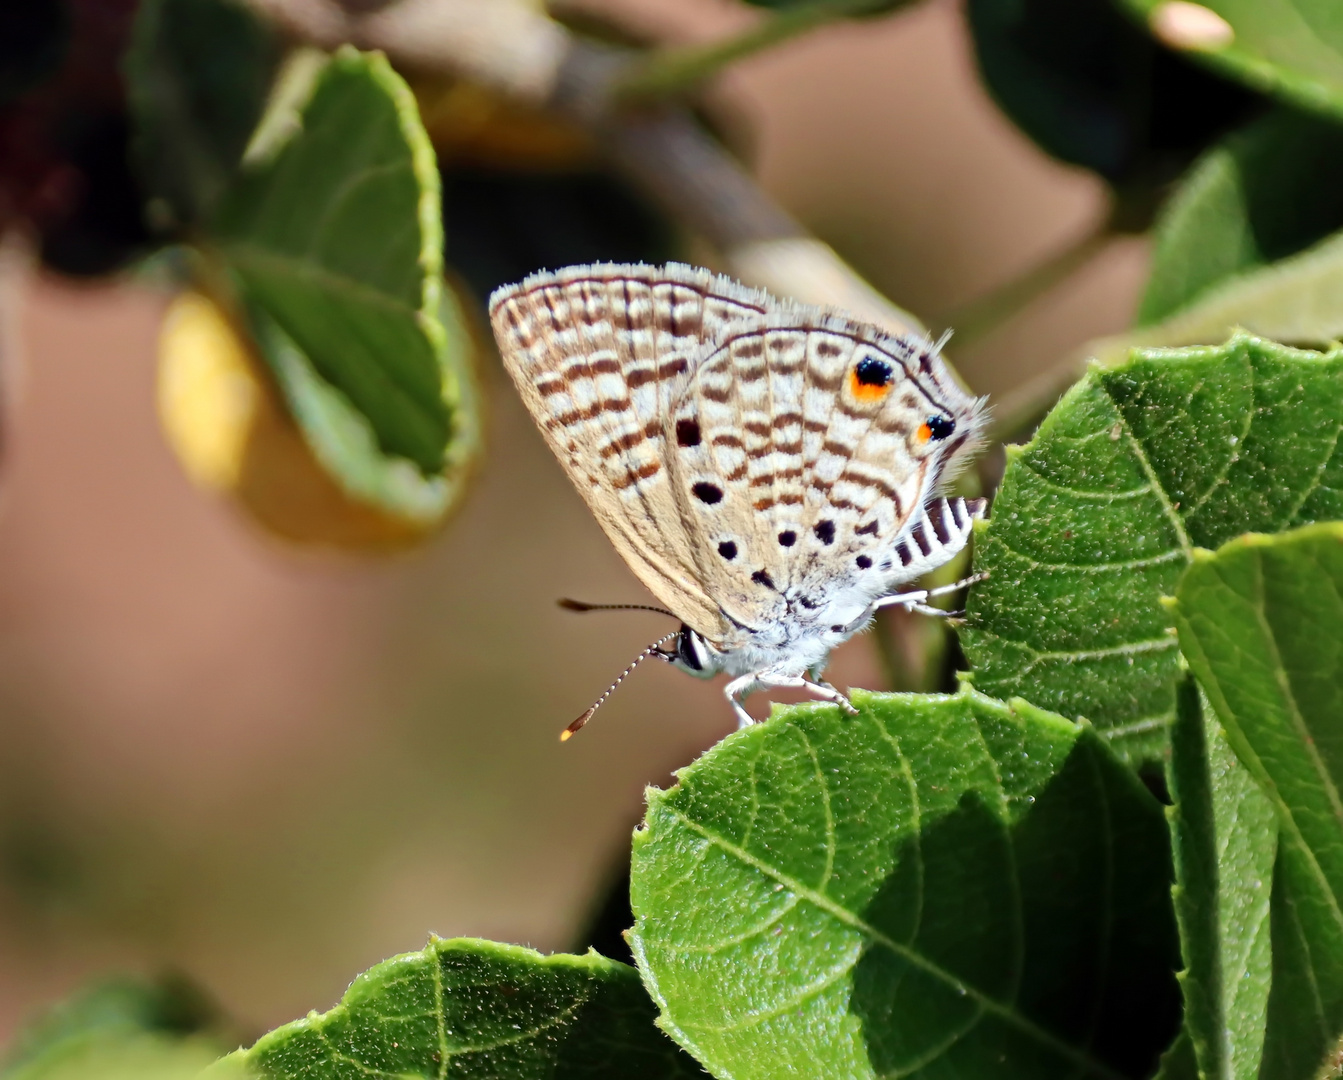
(986, 1003)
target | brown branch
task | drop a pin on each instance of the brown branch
(514, 48)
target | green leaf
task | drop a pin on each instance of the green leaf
(475, 1010)
(1297, 299)
(344, 442)
(338, 236)
(1179, 1062)
(1261, 622)
(1224, 842)
(1290, 48)
(1268, 192)
(123, 1029)
(1098, 516)
(939, 886)
(1093, 89)
(197, 73)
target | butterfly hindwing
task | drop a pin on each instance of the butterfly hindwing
(813, 460)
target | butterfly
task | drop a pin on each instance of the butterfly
(769, 470)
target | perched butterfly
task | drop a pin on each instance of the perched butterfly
(767, 469)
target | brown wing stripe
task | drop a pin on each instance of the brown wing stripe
(666, 369)
(643, 472)
(630, 440)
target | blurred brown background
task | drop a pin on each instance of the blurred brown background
(271, 769)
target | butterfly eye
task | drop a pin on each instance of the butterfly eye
(936, 428)
(871, 379)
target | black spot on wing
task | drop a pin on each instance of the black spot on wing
(707, 493)
(687, 433)
(825, 531)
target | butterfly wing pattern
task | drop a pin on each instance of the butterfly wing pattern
(767, 469)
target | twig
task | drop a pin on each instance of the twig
(674, 70)
(514, 48)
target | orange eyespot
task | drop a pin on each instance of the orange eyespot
(871, 379)
(924, 433)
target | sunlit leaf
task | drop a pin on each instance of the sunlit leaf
(478, 1010)
(337, 235)
(938, 886)
(1098, 516)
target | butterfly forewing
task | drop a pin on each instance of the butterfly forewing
(600, 354)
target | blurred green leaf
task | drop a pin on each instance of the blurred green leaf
(1290, 48)
(1098, 515)
(1266, 193)
(1088, 85)
(337, 235)
(936, 887)
(343, 440)
(1224, 840)
(476, 1010)
(197, 73)
(125, 1029)
(1261, 622)
(1298, 299)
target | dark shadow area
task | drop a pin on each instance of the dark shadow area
(1063, 932)
(501, 226)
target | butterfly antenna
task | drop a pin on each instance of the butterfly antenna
(568, 732)
(579, 605)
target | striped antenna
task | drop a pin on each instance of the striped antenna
(568, 733)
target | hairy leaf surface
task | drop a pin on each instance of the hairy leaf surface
(938, 886)
(478, 1010)
(1099, 514)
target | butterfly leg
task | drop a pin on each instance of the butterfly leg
(768, 680)
(917, 599)
(735, 691)
(825, 689)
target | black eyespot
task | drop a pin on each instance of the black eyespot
(687, 433)
(863, 562)
(761, 577)
(787, 538)
(825, 531)
(838, 628)
(728, 550)
(939, 427)
(873, 372)
(707, 493)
